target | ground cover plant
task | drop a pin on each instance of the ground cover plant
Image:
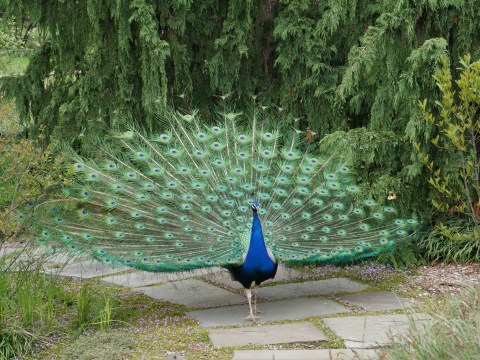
(36, 310)
(453, 335)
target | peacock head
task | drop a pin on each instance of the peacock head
(255, 205)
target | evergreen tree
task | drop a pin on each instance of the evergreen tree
(354, 68)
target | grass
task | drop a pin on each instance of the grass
(455, 333)
(36, 310)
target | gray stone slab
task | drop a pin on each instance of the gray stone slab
(49, 256)
(144, 278)
(266, 335)
(193, 293)
(322, 354)
(283, 273)
(9, 250)
(373, 331)
(294, 309)
(378, 301)
(84, 270)
(310, 288)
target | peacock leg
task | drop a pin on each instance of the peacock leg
(255, 310)
(251, 316)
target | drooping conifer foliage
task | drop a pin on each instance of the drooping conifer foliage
(339, 65)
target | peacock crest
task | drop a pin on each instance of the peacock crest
(182, 200)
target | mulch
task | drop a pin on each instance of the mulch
(444, 279)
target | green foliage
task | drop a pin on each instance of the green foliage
(337, 65)
(454, 165)
(100, 346)
(34, 306)
(453, 334)
(455, 240)
(456, 175)
(300, 54)
(26, 170)
(18, 38)
(405, 255)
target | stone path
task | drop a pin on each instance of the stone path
(323, 354)
(267, 335)
(290, 308)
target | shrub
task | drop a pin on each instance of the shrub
(455, 172)
(456, 240)
(26, 170)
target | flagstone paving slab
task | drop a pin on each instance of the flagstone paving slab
(294, 309)
(309, 288)
(283, 273)
(378, 301)
(322, 354)
(267, 335)
(84, 270)
(193, 293)
(9, 250)
(144, 278)
(373, 331)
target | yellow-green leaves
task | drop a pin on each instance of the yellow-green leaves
(456, 138)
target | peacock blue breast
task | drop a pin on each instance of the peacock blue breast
(258, 266)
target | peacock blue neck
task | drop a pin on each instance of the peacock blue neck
(257, 251)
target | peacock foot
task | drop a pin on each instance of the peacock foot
(252, 317)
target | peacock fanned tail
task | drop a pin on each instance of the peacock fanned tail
(181, 200)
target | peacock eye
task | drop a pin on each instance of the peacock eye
(201, 135)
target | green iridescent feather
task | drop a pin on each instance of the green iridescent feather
(181, 200)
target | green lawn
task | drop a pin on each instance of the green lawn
(15, 65)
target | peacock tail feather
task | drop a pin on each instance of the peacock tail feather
(181, 200)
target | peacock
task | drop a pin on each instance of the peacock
(244, 196)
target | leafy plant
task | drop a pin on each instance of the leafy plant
(455, 166)
(455, 240)
(27, 169)
(35, 307)
(456, 179)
